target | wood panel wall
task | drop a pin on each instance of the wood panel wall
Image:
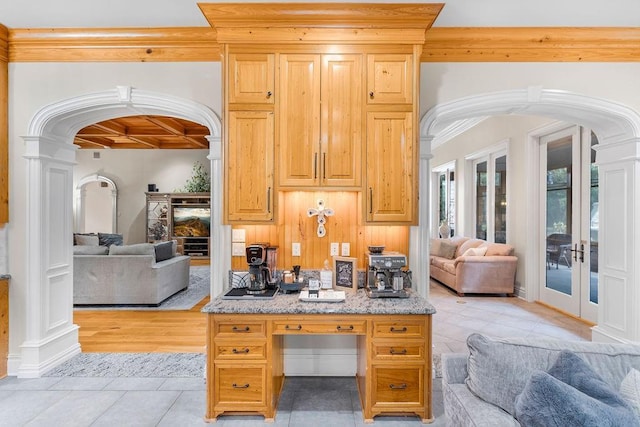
(4, 126)
(346, 225)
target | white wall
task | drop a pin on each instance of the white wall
(132, 170)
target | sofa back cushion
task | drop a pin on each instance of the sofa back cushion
(86, 239)
(90, 250)
(498, 249)
(468, 244)
(136, 249)
(498, 369)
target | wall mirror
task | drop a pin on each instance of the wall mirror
(96, 205)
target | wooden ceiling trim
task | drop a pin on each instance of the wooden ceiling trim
(532, 44)
(113, 44)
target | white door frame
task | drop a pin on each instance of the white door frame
(618, 157)
(50, 337)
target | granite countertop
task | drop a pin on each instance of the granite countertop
(358, 303)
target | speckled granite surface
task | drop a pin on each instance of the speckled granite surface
(354, 304)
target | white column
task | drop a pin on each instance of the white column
(51, 337)
(220, 252)
(419, 236)
(619, 246)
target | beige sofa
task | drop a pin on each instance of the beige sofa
(473, 265)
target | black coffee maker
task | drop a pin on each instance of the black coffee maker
(262, 260)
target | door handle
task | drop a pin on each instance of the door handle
(577, 251)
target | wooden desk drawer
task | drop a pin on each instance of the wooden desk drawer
(240, 328)
(240, 351)
(358, 327)
(236, 385)
(398, 350)
(401, 328)
(400, 386)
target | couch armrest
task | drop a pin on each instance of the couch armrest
(174, 260)
(454, 367)
(504, 259)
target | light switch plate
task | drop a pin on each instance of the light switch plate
(237, 249)
(238, 235)
(335, 247)
(295, 249)
(346, 249)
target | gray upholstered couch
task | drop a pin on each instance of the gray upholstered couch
(127, 275)
(481, 388)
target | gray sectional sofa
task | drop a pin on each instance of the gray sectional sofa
(492, 385)
(140, 274)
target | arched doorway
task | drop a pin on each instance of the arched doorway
(618, 131)
(96, 198)
(50, 335)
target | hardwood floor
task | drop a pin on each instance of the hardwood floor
(128, 331)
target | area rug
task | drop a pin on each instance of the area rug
(199, 287)
(141, 365)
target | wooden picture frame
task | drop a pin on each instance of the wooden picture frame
(345, 273)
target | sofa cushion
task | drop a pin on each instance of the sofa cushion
(90, 250)
(464, 246)
(164, 250)
(516, 358)
(86, 239)
(136, 249)
(449, 267)
(498, 249)
(630, 389)
(571, 394)
(446, 249)
(475, 251)
(108, 239)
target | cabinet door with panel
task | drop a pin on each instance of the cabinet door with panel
(390, 157)
(320, 120)
(249, 171)
(251, 78)
(389, 79)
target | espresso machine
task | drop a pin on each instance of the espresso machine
(385, 276)
(262, 260)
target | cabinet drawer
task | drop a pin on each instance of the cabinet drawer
(240, 385)
(398, 350)
(398, 385)
(319, 327)
(239, 351)
(228, 329)
(402, 328)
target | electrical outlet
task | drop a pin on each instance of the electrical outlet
(334, 249)
(346, 249)
(295, 249)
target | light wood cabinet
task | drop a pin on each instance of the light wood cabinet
(320, 121)
(390, 158)
(249, 172)
(389, 79)
(251, 78)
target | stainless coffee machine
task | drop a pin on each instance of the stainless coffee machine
(262, 260)
(385, 275)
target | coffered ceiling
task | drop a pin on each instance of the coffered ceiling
(143, 132)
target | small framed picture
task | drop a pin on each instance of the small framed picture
(345, 273)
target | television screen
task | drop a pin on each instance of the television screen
(191, 221)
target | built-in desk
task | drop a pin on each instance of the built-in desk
(245, 371)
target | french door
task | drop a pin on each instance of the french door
(569, 222)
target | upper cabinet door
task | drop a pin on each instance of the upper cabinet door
(299, 120)
(391, 154)
(341, 126)
(251, 78)
(389, 79)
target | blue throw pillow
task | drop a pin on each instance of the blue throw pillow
(108, 239)
(571, 394)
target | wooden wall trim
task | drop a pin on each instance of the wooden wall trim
(4, 126)
(182, 44)
(443, 44)
(532, 44)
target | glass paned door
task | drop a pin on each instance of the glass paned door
(570, 222)
(481, 200)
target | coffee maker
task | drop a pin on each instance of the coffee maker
(385, 277)
(262, 260)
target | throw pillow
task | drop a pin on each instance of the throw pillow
(164, 250)
(630, 389)
(435, 246)
(107, 239)
(446, 250)
(90, 250)
(571, 394)
(87, 240)
(137, 249)
(475, 252)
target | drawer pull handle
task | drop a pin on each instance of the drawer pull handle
(394, 386)
(234, 385)
(399, 330)
(394, 351)
(243, 351)
(297, 328)
(245, 329)
(340, 328)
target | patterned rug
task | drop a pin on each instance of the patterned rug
(199, 287)
(141, 365)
